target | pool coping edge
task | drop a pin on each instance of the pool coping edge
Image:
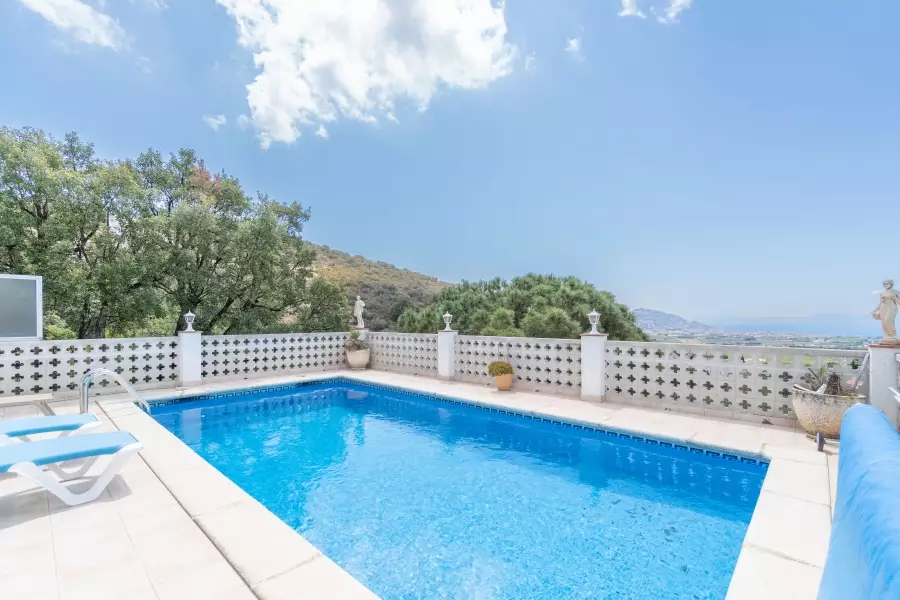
(770, 541)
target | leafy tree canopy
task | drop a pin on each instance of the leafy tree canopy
(125, 247)
(533, 305)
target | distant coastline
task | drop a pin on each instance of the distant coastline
(821, 331)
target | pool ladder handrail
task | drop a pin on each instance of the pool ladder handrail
(88, 378)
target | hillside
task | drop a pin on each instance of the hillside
(656, 321)
(387, 290)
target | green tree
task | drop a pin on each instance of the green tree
(324, 307)
(424, 320)
(502, 322)
(127, 247)
(237, 262)
(66, 215)
(536, 305)
(550, 322)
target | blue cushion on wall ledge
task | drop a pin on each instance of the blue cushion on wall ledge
(864, 554)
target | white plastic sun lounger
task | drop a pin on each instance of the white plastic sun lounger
(28, 458)
(38, 400)
(20, 429)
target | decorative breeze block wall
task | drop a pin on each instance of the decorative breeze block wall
(718, 380)
(539, 364)
(56, 366)
(414, 353)
(246, 356)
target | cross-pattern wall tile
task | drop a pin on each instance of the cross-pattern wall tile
(414, 353)
(56, 366)
(539, 364)
(720, 380)
(246, 356)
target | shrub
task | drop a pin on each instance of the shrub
(499, 367)
(355, 343)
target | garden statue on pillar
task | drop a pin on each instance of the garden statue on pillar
(358, 313)
(886, 312)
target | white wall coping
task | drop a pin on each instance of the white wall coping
(745, 349)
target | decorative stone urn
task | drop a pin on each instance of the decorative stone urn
(822, 412)
(358, 359)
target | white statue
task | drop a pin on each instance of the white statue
(357, 312)
(886, 312)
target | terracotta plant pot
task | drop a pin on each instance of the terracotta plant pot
(503, 382)
(822, 412)
(358, 359)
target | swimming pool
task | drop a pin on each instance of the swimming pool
(419, 497)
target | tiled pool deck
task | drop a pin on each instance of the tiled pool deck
(171, 526)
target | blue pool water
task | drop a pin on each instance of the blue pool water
(422, 498)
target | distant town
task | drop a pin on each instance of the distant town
(665, 327)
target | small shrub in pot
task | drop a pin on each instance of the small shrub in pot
(502, 373)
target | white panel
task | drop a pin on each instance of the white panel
(57, 366)
(717, 380)
(539, 364)
(414, 353)
(246, 356)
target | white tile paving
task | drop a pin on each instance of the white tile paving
(134, 542)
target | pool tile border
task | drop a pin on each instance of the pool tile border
(656, 440)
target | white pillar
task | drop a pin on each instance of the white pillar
(883, 369)
(189, 350)
(446, 354)
(593, 366)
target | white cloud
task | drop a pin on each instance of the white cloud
(630, 9)
(85, 23)
(145, 65)
(215, 121)
(671, 12)
(322, 132)
(573, 47)
(530, 62)
(321, 61)
(244, 122)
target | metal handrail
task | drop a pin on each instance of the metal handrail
(88, 378)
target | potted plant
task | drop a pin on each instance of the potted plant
(502, 373)
(357, 351)
(820, 406)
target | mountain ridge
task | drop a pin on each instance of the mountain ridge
(386, 289)
(657, 321)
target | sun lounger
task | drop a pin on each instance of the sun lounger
(28, 459)
(20, 429)
(38, 400)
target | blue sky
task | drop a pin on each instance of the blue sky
(707, 158)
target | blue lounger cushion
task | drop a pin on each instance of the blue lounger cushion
(34, 425)
(45, 452)
(864, 555)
